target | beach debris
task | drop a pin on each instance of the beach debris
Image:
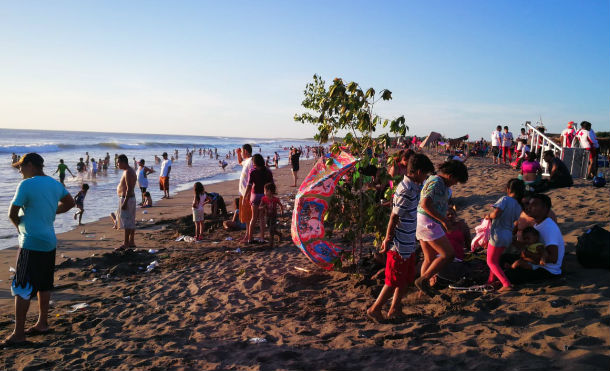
(238, 250)
(127, 297)
(93, 270)
(12, 270)
(189, 239)
(145, 212)
(258, 340)
(152, 251)
(229, 238)
(89, 236)
(103, 238)
(93, 280)
(151, 220)
(152, 266)
(302, 269)
(79, 306)
(180, 238)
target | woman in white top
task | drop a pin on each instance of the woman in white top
(142, 174)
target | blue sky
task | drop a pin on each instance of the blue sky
(238, 68)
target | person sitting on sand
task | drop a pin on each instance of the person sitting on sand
(399, 242)
(79, 199)
(533, 252)
(234, 224)
(560, 175)
(531, 172)
(458, 233)
(549, 265)
(505, 214)
(148, 202)
(432, 221)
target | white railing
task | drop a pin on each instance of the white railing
(539, 139)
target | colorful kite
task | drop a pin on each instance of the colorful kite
(310, 206)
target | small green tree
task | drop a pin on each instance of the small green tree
(348, 110)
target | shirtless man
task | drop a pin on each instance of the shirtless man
(126, 213)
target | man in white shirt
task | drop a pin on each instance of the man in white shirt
(496, 142)
(166, 168)
(567, 135)
(507, 145)
(244, 158)
(520, 139)
(550, 235)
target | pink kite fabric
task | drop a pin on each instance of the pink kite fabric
(310, 205)
(481, 239)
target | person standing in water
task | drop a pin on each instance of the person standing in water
(61, 168)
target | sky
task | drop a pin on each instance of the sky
(239, 68)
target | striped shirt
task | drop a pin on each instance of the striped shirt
(404, 205)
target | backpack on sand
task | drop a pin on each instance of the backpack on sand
(593, 248)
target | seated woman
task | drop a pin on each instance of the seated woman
(521, 155)
(531, 172)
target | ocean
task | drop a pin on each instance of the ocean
(101, 198)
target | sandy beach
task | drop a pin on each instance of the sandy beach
(206, 306)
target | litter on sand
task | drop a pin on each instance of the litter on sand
(302, 269)
(229, 239)
(78, 306)
(180, 238)
(12, 270)
(258, 340)
(152, 266)
(152, 251)
(188, 239)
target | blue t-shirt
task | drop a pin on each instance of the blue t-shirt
(38, 198)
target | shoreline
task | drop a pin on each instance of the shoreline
(208, 305)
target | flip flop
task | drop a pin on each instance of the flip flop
(34, 331)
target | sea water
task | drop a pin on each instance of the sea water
(101, 199)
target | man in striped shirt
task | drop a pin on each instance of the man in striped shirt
(399, 242)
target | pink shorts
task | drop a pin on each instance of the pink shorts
(428, 229)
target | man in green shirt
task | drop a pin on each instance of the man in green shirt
(62, 171)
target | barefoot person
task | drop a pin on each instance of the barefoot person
(399, 242)
(126, 213)
(166, 168)
(143, 172)
(61, 168)
(432, 221)
(295, 154)
(244, 158)
(38, 199)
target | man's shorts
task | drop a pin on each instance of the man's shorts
(127, 217)
(164, 183)
(495, 150)
(398, 271)
(34, 273)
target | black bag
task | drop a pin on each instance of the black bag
(593, 248)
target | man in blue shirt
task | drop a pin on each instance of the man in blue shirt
(37, 200)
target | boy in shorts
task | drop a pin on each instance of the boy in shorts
(79, 199)
(270, 204)
(399, 243)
